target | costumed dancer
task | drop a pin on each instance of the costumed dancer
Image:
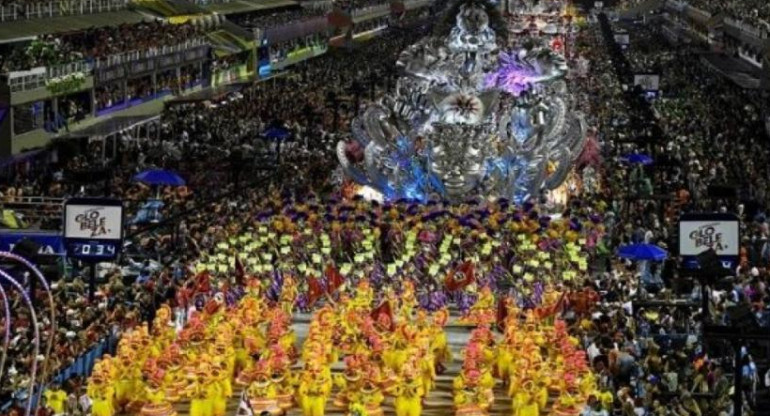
(439, 344)
(314, 389)
(408, 392)
(261, 392)
(155, 392)
(129, 376)
(371, 397)
(281, 377)
(469, 397)
(100, 389)
(198, 392)
(350, 382)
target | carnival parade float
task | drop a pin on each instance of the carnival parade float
(476, 113)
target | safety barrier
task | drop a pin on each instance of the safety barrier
(37, 77)
(39, 10)
(135, 56)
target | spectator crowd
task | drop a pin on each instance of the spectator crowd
(754, 12)
(202, 142)
(266, 20)
(95, 43)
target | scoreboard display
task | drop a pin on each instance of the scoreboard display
(93, 228)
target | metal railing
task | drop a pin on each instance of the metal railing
(38, 10)
(757, 32)
(413, 4)
(19, 81)
(676, 5)
(29, 80)
(700, 12)
(364, 11)
(35, 200)
(210, 2)
(35, 210)
(134, 56)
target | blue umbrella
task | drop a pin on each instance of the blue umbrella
(159, 177)
(642, 252)
(639, 158)
(276, 133)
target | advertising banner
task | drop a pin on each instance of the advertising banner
(51, 243)
(648, 82)
(701, 232)
(93, 228)
(93, 221)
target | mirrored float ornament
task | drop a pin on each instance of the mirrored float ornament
(468, 120)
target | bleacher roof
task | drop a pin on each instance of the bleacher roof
(245, 6)
(22, 29)
(107, 127)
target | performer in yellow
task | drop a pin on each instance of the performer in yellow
(217, 389)
(101, 394)
(408, 300)
(261, 392)
(364, 295)
(198, 393)
(408, 392)
(426, 362)
(400, 349)
(469, 399)
(129, 376)
(284, 381)
(288, 295)
(254, 343)
(504, 361)
(369, 400)
(55, 398)
(163, 333)
(156, 404)
(540, 392)
(173, 380)
(349, 385)
(314, 389)
(527, 404)
(439, 344)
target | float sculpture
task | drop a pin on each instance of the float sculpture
(468, 118)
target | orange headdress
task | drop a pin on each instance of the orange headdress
(440, 317)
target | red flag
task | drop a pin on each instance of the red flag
(202, 282)
(383, 316)
(461, 277)
(554, 309)
(334, 278)
(240, 271)
(502, 313)
(314, 290)
(214, 304)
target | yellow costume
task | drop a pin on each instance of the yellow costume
(101, 396)
(409, 393)
(261, 394)
(156, 404)
(198, 392)
(314, 389)
(55, 399)
(370, 399)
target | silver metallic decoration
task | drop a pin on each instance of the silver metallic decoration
(469, 118)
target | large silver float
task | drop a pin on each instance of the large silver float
(468, 118)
